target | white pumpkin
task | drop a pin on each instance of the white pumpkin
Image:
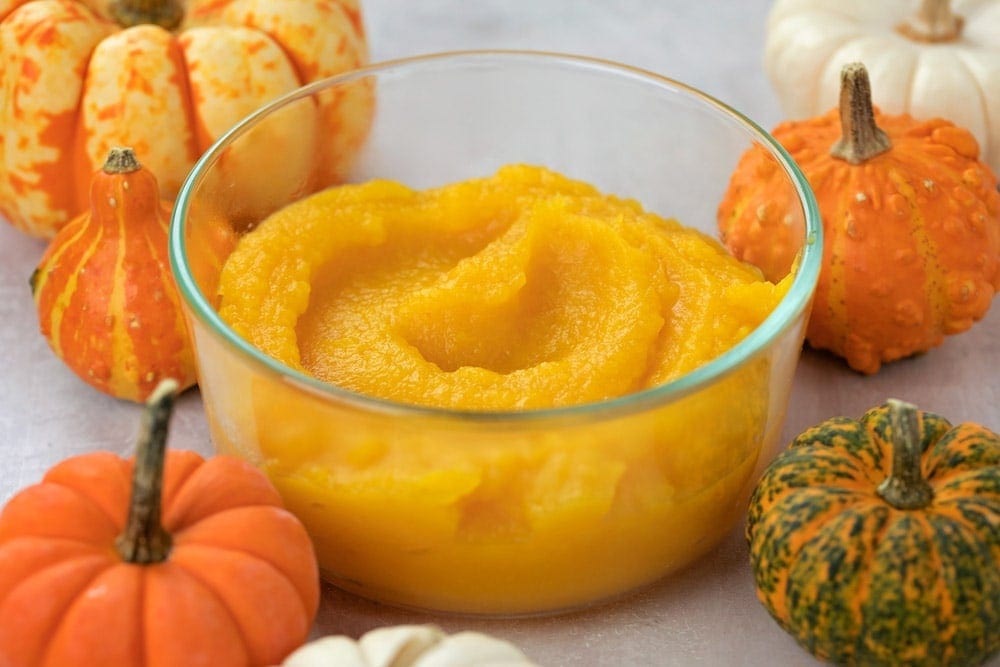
(929, 58)
(409, 646)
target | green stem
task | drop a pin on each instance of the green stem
(933, 22)
(167, 14)
(860, 138)
(905, 488)
(121, 160)
(144, 540)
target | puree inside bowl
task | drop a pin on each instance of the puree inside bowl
(520, 290)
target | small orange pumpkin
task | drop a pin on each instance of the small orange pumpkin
(199, 566)
(911, 223)
(106, 300)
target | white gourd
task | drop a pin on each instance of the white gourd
(409, 646)
(928, 58)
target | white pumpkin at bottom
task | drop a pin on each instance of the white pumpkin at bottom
(409, 646)
(928, 58)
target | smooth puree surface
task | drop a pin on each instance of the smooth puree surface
(521, 290)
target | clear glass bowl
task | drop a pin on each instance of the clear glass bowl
(501, 513)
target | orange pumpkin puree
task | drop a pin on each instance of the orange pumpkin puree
(521, 290)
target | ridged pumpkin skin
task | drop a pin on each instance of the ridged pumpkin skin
(75, 81)
(106, 300)
(911, 236)
(239, 586)
(859, 582)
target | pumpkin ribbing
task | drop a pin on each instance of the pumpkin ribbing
(858, 581)
(911, 247)
(168, 78)
(238, 588)
(106, 300)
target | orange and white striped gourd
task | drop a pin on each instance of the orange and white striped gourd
(167, 78)
(106, 300)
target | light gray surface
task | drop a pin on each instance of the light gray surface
(707, 615)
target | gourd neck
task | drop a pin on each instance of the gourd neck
(121, 160)
(167, 14)
(934, 22)
(860, 137)
(905, 488)
(144, 540)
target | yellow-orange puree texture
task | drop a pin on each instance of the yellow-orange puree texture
(520, 290)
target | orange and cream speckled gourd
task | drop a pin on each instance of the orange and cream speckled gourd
(168, 77)
(911, 223)
(106, 300)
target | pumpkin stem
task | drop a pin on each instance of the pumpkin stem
(121, 160)
(905, 488)
(144, 540)
(860, 138)
(167, 14)
(934, 22)
(33, 281)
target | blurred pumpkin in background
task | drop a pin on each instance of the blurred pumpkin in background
(167, 78)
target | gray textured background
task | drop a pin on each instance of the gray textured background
(707, 615)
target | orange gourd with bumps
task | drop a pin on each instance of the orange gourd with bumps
(911, 223)
(169, 560)
(106, 299)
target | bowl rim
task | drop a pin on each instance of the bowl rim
(796, 300)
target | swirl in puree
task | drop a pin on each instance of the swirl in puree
(512, 292)
(522, 290)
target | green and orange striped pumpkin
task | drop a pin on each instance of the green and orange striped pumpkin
(106, 300)
(877, 541)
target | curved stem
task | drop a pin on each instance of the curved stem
(905, 488)
(121, 160)
(860, 138)
(933, 22)
(144, 539)
(167, 14)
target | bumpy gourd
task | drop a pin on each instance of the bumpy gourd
(875, 541)
(168, 559)
(106, 300)
(911, 222)
(167, 77)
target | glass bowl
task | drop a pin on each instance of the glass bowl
(508, 512)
